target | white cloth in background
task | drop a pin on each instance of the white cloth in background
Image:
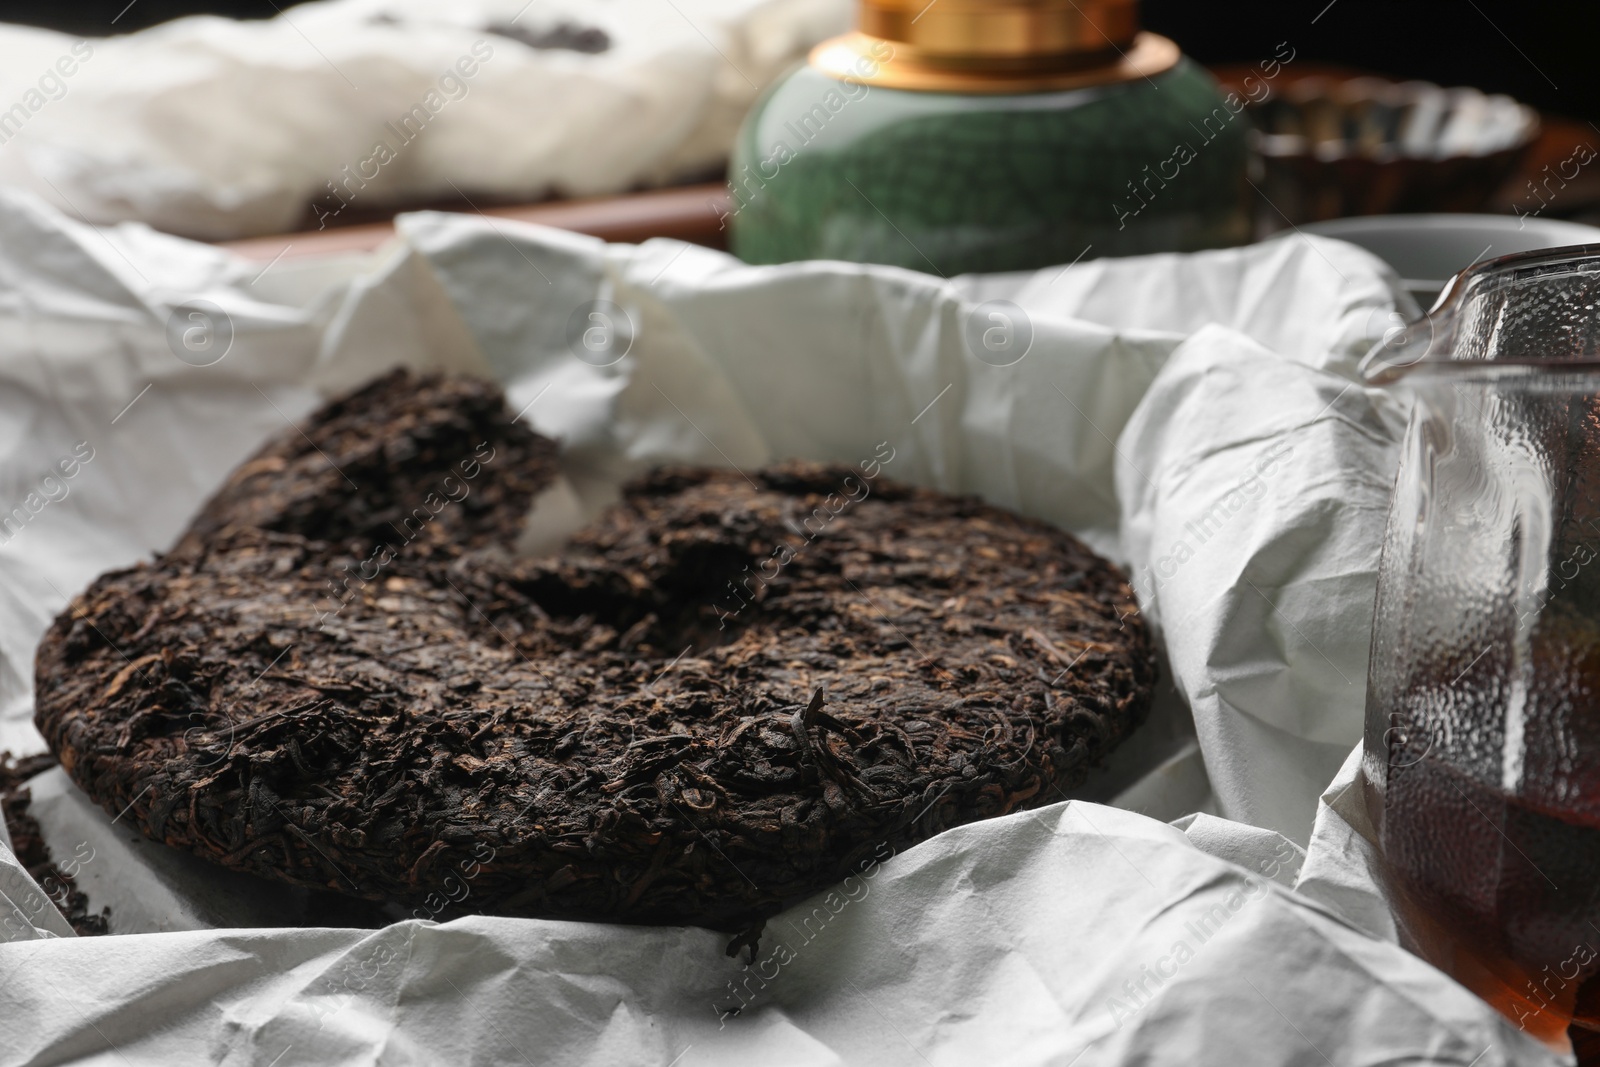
(219, 128)
(1078, 934)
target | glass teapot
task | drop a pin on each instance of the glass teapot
(1482, 738)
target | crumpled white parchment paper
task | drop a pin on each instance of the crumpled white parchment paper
(1077, 934)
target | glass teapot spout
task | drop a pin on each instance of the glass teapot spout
(1429, 338)
(1516, 313)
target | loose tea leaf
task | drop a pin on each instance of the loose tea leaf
(57, 887)
(729, 692)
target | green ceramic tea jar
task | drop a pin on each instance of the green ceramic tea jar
(990, 135)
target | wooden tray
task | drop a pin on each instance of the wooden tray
(687, 212)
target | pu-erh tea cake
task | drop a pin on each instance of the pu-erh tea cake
(732, 690)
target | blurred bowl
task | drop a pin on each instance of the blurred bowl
(1332, 147)
(1426, 250)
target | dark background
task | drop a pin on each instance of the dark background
(1541, 51)
(94, 18)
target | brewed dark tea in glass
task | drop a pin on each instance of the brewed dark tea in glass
(1482, 753)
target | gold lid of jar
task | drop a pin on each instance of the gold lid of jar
(995, 46)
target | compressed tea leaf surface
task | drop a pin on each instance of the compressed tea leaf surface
(731, 691)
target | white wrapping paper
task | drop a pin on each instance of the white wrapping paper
(1077, 934)
(219, 128)
(993, 943)
(1253, 529)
